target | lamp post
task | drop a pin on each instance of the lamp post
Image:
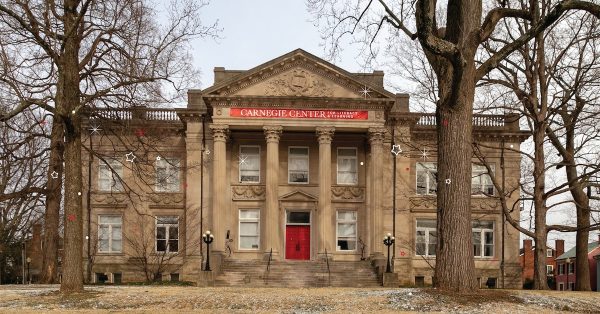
(28, 270)
(207, 238)
(388, 241)
(568, 261)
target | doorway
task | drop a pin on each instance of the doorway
(297, 235)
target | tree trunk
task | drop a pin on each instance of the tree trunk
(53, 199)
(69, 103)
(540, 282)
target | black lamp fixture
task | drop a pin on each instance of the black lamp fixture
(388, 240)
(208, 239)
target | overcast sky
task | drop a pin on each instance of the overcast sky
(256, 31)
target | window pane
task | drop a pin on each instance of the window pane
(346, 229)
(173, 245)
(249, 214)
(347, 215)
(248, 228)
(250, 150)
(477, 243)
(298, 177)
(248, 242)
(161, 233)
(116, 245)
(161, 245)
(173, 233)
(426, 223)
(346, 244)
(298, 217)
(110, 219)
(167, 220)
(421, 249)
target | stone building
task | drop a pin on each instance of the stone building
(290, 160)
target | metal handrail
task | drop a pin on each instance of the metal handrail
(328, 270)
(268, 266)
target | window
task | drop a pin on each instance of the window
(483, 238)
(481, 183)
(175, 277)
(571, 267)
(249, 229)
(109, 234)
(561, 286)
(167, 175)
(167, 234)
(346, 230)
(249, 164)
(347, 169)
(549, 253)
(426, 239)
(426, 178)
(101, 278)
(420, 281)
(549, 269)
(117, 278)
(572, 286)
(298, 165)
(109, 176)
(559, 269)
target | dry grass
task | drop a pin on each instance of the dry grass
(151, 299)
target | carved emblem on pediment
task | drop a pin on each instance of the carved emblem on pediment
(347, 193)
(248, 192)
(298, 82)
(109, 198)
(165, 198)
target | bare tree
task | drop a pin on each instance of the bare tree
(67, 55)
(451, 50)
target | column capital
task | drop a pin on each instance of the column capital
(325, 134)
(377, 135)
(273, 133)
(220, 132)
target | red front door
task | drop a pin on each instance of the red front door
(297, 242)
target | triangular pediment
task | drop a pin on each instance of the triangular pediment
(298, 196)
(298, 74)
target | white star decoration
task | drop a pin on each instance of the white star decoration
(95, 129)
(365, 92)
(54, 175)
(130, 157)
(448, 181)
(396, 149)
(158, 158)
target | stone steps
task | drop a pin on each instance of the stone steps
(297, 274)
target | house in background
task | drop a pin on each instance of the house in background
(527, 261)
(566, 271)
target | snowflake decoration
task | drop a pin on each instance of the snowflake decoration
(54, 175)
(448, 181)
(396, 149)
(95, 129)
(365, 92)
(424, 154)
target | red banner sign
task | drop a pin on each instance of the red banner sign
(298, 114)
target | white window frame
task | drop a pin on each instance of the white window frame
(307, 162)
(346, 221)
(167, 234)
(549, 270)
(549, 253)
(431, 170)
(172, 166)
(561, 286)
(352, 158)
(480, 172)
(112, 171)
(427, 231)
(482, 232)
(248, 220)
(244, 154)
(571, 267)
(110, 237)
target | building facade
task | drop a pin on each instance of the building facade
(295, 159)
(528, 262)
(566, 271)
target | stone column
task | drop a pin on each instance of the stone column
(376, 136)
(272, 237)
(326, 226)
(220, 202)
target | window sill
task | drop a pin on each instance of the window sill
(110, 254)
